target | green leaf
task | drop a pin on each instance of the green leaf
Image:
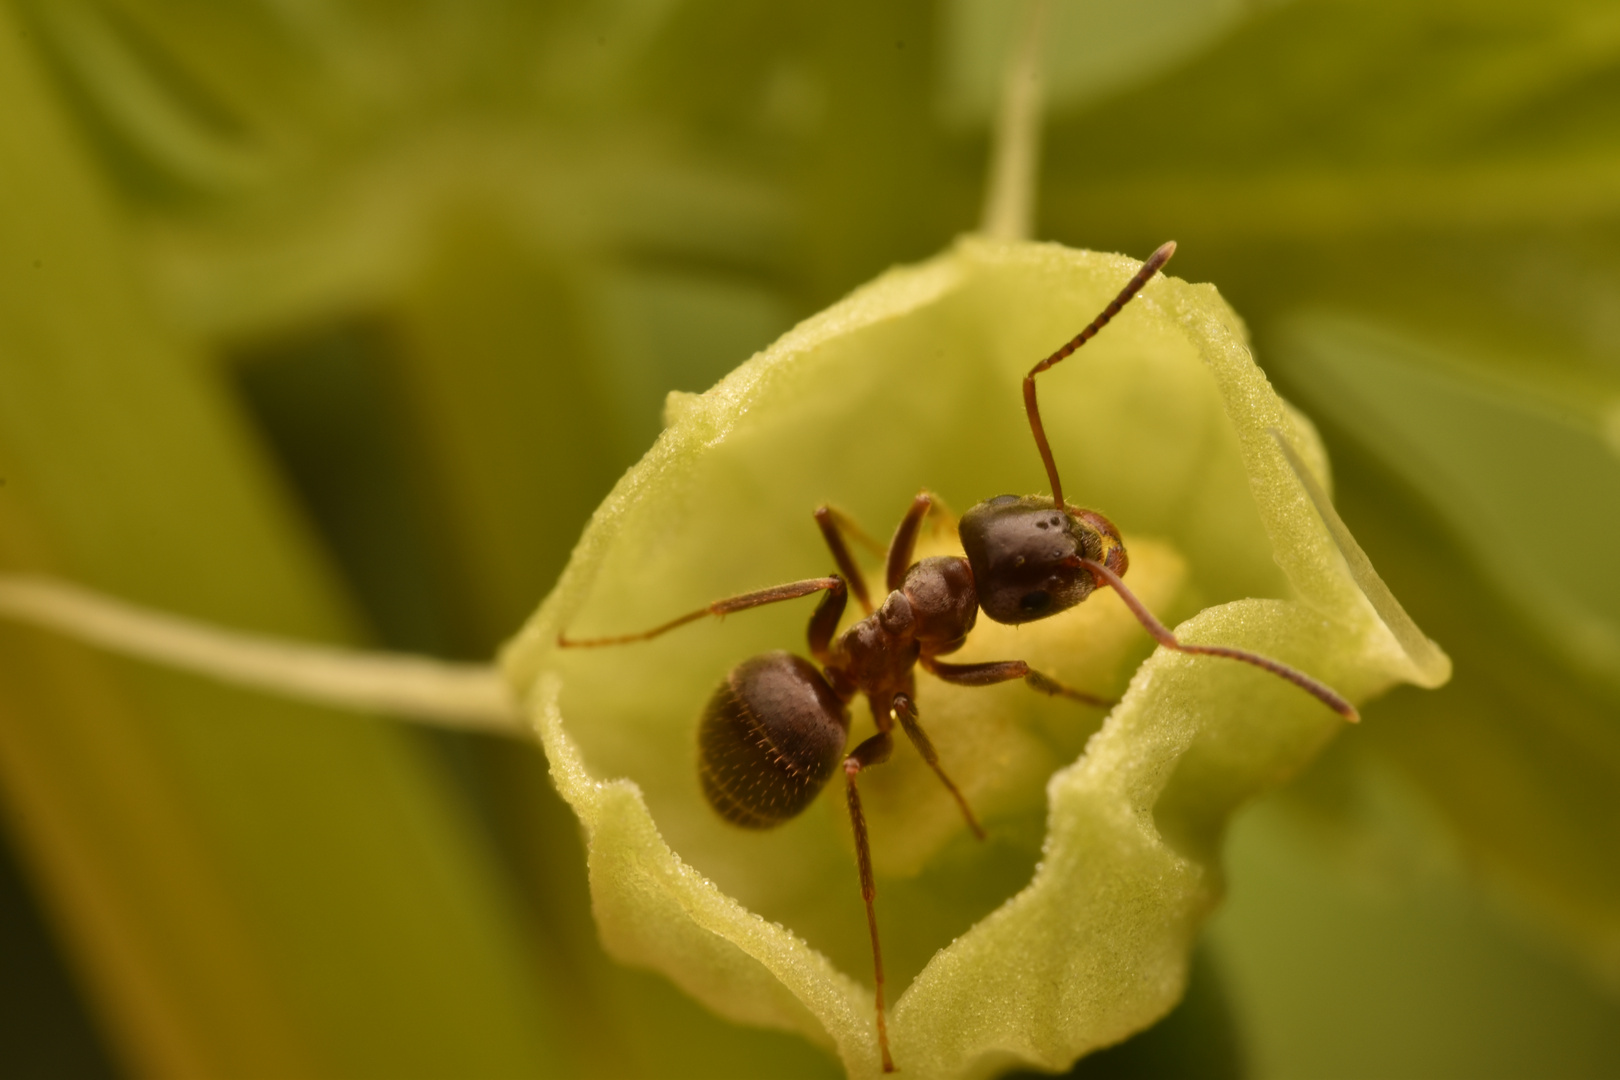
(1355, 941)
(1071, 928)
(1513, 471)
(1492, 457)
(242, 901)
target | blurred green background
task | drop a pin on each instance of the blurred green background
(335, 319)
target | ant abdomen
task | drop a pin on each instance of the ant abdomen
(771, 736)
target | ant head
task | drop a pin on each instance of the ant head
(1026, 552)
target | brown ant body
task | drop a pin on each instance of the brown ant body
(775, 730)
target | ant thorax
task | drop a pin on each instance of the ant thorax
(929, 615)
(943, 600)
(1000, 743)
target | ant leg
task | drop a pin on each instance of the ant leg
(905, 540)
(873, 751)
(824, 623)
(941, 518)
(905, 710)
(830, 520)
(1000, 671)
(848, 524)
(791, 591)
(1319, 690)
(1033, 410)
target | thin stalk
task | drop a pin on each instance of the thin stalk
(413, 687)
(1009, 199)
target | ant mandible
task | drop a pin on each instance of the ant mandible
(775, 730)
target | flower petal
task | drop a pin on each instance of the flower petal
(1020, 949)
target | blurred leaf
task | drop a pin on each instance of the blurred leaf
(1517, 756)
(1526, 482)
(217, 864)
(45, 1027)
(1329, 120)
(1347, 893)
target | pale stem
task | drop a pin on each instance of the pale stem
(469, 696)
(1009, 198)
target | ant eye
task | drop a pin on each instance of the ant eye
(1039, 600)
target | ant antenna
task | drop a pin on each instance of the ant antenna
(1317, 689)
(1149, 268)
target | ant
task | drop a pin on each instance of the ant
(775, 730)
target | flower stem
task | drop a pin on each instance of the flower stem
(413, 687)
(1009, 202)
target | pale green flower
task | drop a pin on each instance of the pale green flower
(1046, 947)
